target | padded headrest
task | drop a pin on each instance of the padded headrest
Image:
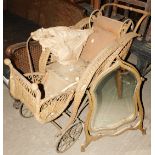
(108, 24)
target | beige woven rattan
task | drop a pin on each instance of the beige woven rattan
(25, 84)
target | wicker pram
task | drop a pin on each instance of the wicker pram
(28, 87)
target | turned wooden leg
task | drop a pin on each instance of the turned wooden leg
(142, 129)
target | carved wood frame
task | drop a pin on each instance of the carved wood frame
(129, 124)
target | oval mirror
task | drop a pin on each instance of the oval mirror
(114, 99)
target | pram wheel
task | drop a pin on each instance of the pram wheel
(17, 104)
(69, 137)
(25, 112)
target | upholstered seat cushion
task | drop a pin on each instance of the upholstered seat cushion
(95, 43)
(108, 24)
(62, 77)
(106, 30)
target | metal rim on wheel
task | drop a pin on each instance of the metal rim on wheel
(69, 137)
(25, 112)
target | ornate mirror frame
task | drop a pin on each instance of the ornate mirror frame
(133, 122)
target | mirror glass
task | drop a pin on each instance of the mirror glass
(113, 98)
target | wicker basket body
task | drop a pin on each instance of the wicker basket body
(25, 86)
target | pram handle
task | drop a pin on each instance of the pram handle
(145, 13)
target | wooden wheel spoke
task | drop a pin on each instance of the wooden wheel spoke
(69, 138)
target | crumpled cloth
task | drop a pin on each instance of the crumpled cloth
(65, 43)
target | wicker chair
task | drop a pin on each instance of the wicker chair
(103, 48)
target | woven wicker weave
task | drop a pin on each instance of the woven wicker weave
(23, 84)
(17, 53)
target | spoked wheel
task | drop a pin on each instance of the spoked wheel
(69, 138)
(17, 104)
(25, 112)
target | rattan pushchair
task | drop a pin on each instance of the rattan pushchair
(112, 44)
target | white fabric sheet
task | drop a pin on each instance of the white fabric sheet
(65, 43)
